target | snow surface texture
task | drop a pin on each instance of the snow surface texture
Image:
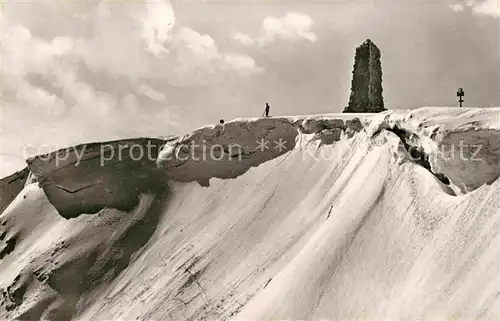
(344, 223)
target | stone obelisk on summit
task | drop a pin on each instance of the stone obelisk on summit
(366, 86)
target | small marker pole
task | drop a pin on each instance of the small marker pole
(460, 94)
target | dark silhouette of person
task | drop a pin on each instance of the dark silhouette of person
(222, 121)
(267, 109)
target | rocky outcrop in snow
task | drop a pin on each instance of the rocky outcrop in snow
(229, 150)
(226, 151)
(89, 177)
(461, 144)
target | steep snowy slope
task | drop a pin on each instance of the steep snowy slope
(341, 219)
(10, 186)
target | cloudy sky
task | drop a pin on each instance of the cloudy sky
(74, 72)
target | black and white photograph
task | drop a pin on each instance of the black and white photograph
(249, 160)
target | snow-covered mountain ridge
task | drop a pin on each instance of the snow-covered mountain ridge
(343, 216)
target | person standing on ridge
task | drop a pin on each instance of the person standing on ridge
(267, 109)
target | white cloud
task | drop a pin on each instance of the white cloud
(130, 104)
(488, 7)
(33, 96)
(243, 63)
(45, 74)
(292, 26)
(118, 45)
(481, 7)
(157, 25)
(199, 58)
(151, 93)
(133, 40)
(86, 96)
(457, 7)
(155, 46)
(244, 39)
(24, 54)
(199, 44)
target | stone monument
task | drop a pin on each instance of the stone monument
(366, 86)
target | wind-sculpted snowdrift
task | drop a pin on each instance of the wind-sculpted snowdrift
(337, 217)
